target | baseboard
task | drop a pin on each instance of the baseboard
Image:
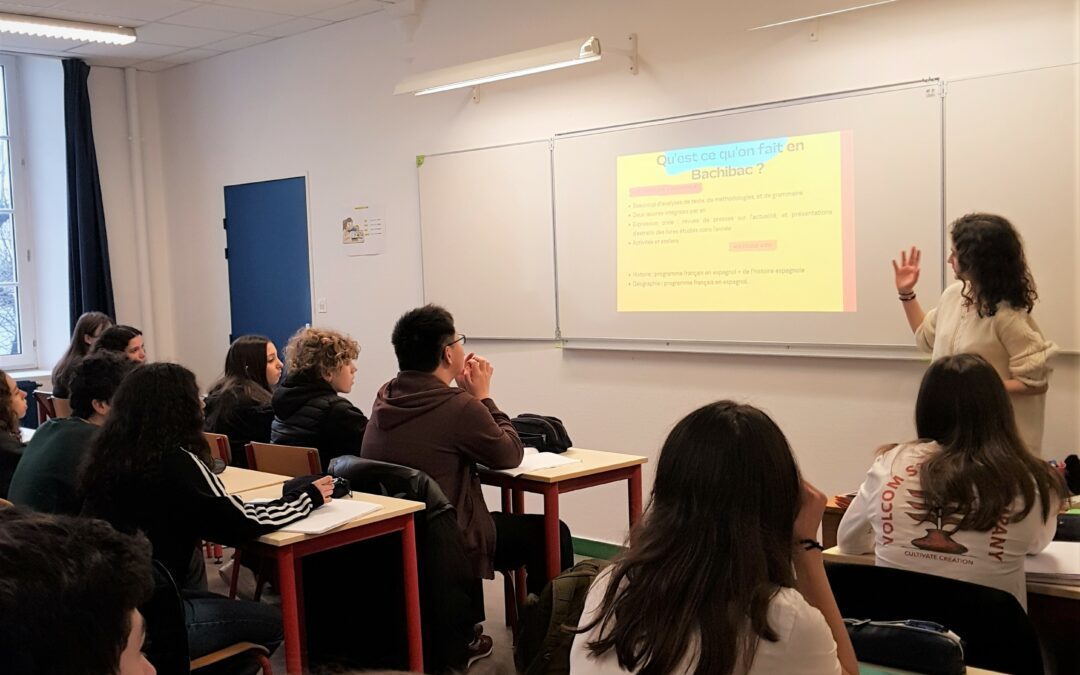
(592, 548)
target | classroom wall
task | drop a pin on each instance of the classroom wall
(319, 104)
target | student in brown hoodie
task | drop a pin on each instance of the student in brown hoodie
(419, 420)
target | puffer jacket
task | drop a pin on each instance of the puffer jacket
(308, 412)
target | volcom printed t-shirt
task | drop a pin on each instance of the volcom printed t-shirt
(890, 518)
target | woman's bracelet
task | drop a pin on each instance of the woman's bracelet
(810, 545)
(907, 297)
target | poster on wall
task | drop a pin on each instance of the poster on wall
(363, 231)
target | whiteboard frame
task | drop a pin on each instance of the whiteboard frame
(933, 85)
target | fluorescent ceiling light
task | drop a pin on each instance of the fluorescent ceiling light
(66, 30)
(818, 16)
(552, 57)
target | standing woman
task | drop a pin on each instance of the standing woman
(238, 404)
(148, 470)
(723, 573)
(12, 409)
(987, 312)
(123, 339)
(88, 329)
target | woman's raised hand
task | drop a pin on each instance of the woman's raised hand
(907, 271)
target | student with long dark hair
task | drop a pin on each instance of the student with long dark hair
(12, 409)
(149, 470)
(238, 404)
(987, 312)
(722, 574)
(87, 330)
(124, 339)
(966, 500)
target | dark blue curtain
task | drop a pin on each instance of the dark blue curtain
(88, 246)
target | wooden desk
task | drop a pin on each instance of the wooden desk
(238, 480)
(594, 468)
(1033, 587)
(396, 515)
(871, 669)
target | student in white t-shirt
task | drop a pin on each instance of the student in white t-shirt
(722, 574)
(967, 501)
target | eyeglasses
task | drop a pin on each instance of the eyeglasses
(460, 339)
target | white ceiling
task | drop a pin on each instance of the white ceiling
(172, 32)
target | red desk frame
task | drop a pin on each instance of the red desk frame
(290, 578)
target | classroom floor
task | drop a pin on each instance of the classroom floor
(501, 662)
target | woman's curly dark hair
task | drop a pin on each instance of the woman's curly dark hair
(990, 256)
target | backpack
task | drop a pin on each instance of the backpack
(543, 645)
(546, 434)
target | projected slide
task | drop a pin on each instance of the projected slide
(763, 225)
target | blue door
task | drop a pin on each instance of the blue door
(267, 240)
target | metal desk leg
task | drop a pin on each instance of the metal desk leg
(633, 489)
(551, 530)
(291, 610)
(412, 597)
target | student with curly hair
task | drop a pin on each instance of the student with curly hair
(238, 404)
(88, 329)
(149, 470)
(987, 312)
(12, 409)
(70, 598)
(308, 408)
(47, 474)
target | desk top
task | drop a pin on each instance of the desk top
(591, 462)
(391, 508)
(236, 479)
(1033, 587)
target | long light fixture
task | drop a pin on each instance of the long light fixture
(40, 26)
(822, 14)
(552, 57)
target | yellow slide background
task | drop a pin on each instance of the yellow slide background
(768, 237)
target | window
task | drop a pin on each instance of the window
(17, 345)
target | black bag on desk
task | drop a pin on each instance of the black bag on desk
(917, 646)
(546, 434)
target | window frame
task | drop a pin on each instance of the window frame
(23, 219)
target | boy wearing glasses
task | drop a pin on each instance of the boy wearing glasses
(421, 421)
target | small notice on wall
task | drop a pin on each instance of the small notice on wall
(363, 231)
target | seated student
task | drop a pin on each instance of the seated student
(70, 595)
(419, 420)
(12, 410)
(722, 574)
(46, 477)
(967, 500)
(238, 404)
(307, 408)
(87, 330)
(148, 470)
(123, 339)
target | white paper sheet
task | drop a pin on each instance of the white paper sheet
(328, 516)
(534, 460)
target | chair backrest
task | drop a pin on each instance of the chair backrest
(45, 409)
(219, 446)
(286, 460)
(996, 631)
(61, 407)
(392, 480)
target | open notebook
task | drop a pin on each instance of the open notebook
(1058, 563)
(534, 460)
(328, 516)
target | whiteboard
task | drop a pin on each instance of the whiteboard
(897, 141)
(1012, 148)
(486, 231)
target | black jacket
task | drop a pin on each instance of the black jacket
(11, 451)
(180, 503)
(308, 412)
(242, 419)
